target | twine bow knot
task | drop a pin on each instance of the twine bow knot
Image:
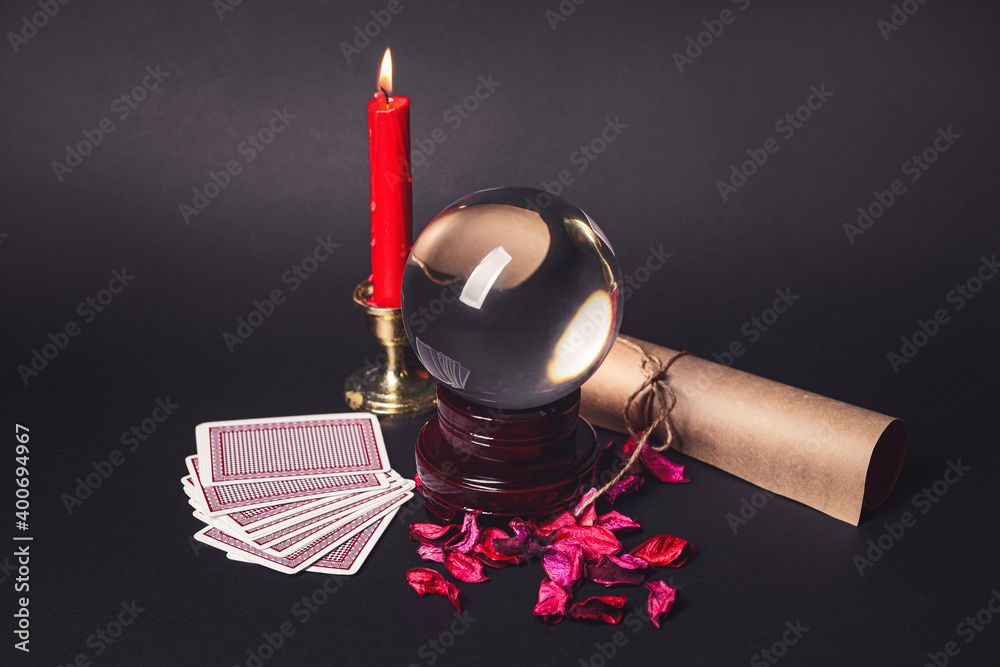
(662, 396)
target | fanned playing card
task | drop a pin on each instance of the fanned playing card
(246, 520)
(251, 524)
(327, 519)
(254, 495)
(312, 509)
(294, 493)
(350, 555)
(287, 448)
(304, 555)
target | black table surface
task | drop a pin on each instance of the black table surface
(892, 109)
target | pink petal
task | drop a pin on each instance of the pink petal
(522, 529)
(468, 537)
(426, 582)
(563, 562)
(521, 545)
(431, 552)
(554, 523)
(430, 533)
(584, 510)
(511, 548)
(464, 568)
(608, 572)
(664, 550)
(625, 486)
(596, 541)
(661, 599)
(616, 521)
(552, 599)
(606, 608)
(629, 562)
(662, 468)
(489, 553)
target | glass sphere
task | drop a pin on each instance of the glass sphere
(511, 297)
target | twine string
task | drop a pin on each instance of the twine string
(662, 396)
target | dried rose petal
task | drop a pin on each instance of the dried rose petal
(629, 562)
(512, 548)
(430, 533)
(431, 552)
(563, 562)
(487, 551)
(661, 599)
(521, 545)
(426, 582)
(468, 537)
(464, 568)
(662, 468)
(631, 443)
(608, 572)
(552, 599)
(616, 521)
(554, 523)
(664, 550)
(596, 541)
(606, 608)
(584, 511)
(623, 487)
(522, 529)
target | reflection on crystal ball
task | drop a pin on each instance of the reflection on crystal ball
(509, 302)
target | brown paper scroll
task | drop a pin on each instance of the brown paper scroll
(829, 455)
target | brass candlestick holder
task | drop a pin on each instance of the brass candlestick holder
(387, 386)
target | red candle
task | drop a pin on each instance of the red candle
(391, 193)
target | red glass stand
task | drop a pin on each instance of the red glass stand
(504, 462)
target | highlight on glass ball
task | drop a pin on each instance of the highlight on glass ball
(511, 304)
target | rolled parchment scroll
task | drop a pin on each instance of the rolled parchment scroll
(829, 455)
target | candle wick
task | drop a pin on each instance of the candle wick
(386, 95)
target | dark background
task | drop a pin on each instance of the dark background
(654, 185)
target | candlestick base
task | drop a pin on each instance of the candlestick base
(385, 385)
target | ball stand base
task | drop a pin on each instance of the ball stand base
(508, 463)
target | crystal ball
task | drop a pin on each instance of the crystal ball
(511, 297)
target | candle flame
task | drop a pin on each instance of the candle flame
(385, 74)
